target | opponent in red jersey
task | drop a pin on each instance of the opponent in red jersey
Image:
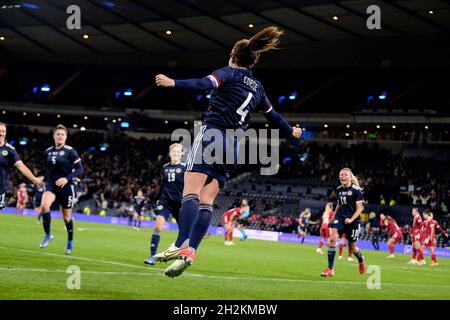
(394, 231)
(327, 216)
(22, 198)
(429, 236)
(229, 219)
(416, 235)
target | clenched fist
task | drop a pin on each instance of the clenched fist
(297, 132)
(164, 81)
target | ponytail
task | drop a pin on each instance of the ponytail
(246, 52)
(265, 40)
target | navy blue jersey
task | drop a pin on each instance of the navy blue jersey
(305, 221)
(139, 203)
(8, 158)
(172, 181)
(347, 200)
(238, 94)
(60, 162)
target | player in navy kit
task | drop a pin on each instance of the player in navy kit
(10, 158)
(139, 205)
(62, 165)
(236, 93)
(171, 194)
(346, 219)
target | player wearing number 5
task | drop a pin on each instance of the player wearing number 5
(62, 165)
(346, 219)
(236, 93)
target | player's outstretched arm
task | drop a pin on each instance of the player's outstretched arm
(164, 81)
(276, 118)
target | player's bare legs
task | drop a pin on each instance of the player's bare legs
(391, 243)
(433, 256)
(416, 253)
(47, 199)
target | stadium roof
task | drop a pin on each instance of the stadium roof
(136, 28)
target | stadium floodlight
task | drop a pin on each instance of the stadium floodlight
(45, 88)
(29, 5)
(35, 90)
(108, 4)
(208, 96)
(286, 160)
(23, 141)
(128, 93)
(281, 100)
(293, 95)
(117, 94)
(83, 129)
(125, 124)
(383, 95)
(104, 147)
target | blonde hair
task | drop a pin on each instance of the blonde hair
(353, 178)
(173, 145)
(329, 205)
(60, 127)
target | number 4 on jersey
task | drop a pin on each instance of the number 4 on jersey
(240, 111)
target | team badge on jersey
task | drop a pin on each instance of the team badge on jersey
(5, 152)
(178, 170)
(349, 193)
(61, 153)
(159, 207)
(335, 221)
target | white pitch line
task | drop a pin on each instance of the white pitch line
(80, 258)
(195, 275)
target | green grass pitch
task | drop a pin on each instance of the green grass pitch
(111, 262)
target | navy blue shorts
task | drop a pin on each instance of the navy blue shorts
(166, 207)
(64, 196)
(351, 231)
(196, 162)
(303, 229)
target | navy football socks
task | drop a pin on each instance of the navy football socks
(201, 226)
(188, 217)
(359, 256)
(69, 227)
(46, 220)
(154, 242)
(331, 254)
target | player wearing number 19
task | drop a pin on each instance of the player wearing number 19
(236, 93)
(346, 219)
(169, 199)
(62, 165)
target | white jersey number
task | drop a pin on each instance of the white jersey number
(171, 177)
(240, 111)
